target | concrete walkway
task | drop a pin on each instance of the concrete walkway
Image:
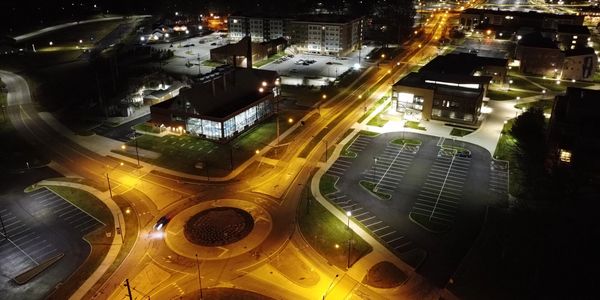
(116, 243)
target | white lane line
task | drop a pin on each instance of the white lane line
(405, 244)
(367, 219)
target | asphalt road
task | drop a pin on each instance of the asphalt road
(34, 235)
(406, 177)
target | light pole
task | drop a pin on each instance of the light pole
(349, 250)
(330, 285)
(375, 169)
(349, 214)
(199, 278)
(137, 153)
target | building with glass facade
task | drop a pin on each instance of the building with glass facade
(222, 106)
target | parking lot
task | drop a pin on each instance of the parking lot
(443, 189)
(319, 71)
(190, 52)
(390, 166)
(49, 203)
(429, 179)
(39, 225)
(21, 246)
(499, 170)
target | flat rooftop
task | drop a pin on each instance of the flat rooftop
(462, 63)
(222, 96)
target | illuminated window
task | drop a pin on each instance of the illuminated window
(565, 156)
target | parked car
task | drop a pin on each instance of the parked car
(213, 44)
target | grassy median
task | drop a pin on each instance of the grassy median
(329, 236)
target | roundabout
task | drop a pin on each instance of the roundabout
(218, 229)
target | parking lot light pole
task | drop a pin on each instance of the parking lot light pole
(349, 214)
(330, 285)
(375, 168)
(199, 278)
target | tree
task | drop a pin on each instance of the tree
(529, 132)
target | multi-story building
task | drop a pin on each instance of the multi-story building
(580, 64)
(318, 34)
(539, 55)
(223, 105)
(259, 28)
(572, 36)
(326, 34)
(573, 135)
(450, 88)
(476, 18)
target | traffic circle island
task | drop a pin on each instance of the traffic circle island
(218, 229)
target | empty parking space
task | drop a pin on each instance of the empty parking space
(390, 166)
(50, 203)
(21, 247)
(442, 191)
(339, 167)
(498, 184)
(360, 143)
(396, 241)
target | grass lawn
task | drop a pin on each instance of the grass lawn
(329, 236)
(378, 120)
(384, 275)
(372, 108)
(402, 141)
(327, 184)
(460, 132)
(268, 60)
(414, 125)
(428, 225)
(211, 63)
(349, 153)
(98, 240)
(146, 127)
(368, 133)
(370, 186)
(504, 151)
(181, 153)
(131, 234)
(508, 95)
(544, 104)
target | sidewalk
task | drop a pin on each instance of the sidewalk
(116, 243)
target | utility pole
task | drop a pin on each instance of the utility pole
(199, 278)
(126, 284)
(109, 189)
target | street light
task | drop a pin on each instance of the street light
(330, 285)
(349, 214)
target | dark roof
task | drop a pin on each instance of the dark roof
(579, 51)
(522, 14)
(462, 63)
(227, 94)
(326, 18)
(419, 80)
(574, 29)
(536, 40)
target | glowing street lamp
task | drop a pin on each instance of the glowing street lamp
(349, 214)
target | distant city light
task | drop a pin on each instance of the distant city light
(356, 66)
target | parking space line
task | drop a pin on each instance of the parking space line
(377, 222)
(398, 238)
(361, 214)
(367, 219)
(403, 245)
(384, 235)
(380, 228)
(33, 260)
